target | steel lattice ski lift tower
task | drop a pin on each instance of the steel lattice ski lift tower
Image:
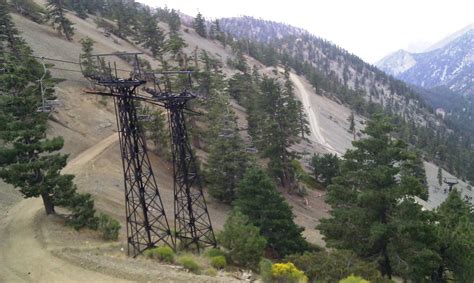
(147, 224)
(192, 222)
(450, 182)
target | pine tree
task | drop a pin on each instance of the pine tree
(174, 21)
(414, 166)
(124, 12)
(57, 15)
(241, 87)
(351, 123)
(440, 176)
(258, 198)
(276, 125)
(215, 30)
(87, 63)
(9, 37)
(159, 133)
(227, 160)
(29, 160)
(455, 231)
(199, 25)
(325, 167)
(175, 45)
(151, 36)
(372, 190)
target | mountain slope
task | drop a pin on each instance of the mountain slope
(451, 64)
(85, 120)
(331, 70)
(346, 79)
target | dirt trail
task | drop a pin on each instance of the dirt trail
(89, 154)
(312, 118)
(22, 255)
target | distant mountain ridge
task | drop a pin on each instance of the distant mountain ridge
(448, 63)
(443, 42)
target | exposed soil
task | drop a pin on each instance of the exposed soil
(23, 257)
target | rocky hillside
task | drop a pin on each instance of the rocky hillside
(449, 63)
(345, 78)
(332, 71)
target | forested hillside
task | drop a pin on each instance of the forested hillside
(336, 73)
(295, 192)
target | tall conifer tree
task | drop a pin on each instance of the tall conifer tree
(259, 199)
(375, 190)
(276, 124)
(151, 35)
(199, 25)
(57, 15)
(455, 231)
(29, 160)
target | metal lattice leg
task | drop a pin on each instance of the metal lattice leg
(192, 221)
(147, 224)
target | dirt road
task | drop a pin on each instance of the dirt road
(312, 118)
(23, 257)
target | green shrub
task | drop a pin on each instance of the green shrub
(214, 252)
(287, 273)
(242, 240)
(211, 272)
(109, 227)
(165, 254)
(219, 262)
(82, 211)
(265, 268)
(323, 266)
(189, 263)
(354, 279)
(148, 253)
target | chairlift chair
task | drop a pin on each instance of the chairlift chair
(52, 102)
(145, 118)
(45, 109)
(251, 150)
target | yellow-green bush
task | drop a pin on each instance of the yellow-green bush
(189, 263)
(109, 227)
(214, 252)
(165, 254)
(211, 272)
(219, 262)
(288, 273)
(354, 279)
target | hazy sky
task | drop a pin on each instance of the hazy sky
(370, 29)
